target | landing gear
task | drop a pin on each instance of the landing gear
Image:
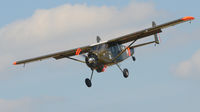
(133, 57)
(125, 73)
(88, 82)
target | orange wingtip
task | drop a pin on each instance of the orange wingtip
(15, 63)
(188, 18)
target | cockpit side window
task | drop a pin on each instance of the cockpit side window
(94, 48)
(115, 49)
(102, 47)
(122, 47)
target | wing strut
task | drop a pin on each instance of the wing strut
(24, 65)
(139, 45)
(74, 59)
(123, 51)
(155, 35)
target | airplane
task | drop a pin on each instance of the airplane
(102, 54)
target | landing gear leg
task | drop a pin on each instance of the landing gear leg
(88, 82)
(125, 71)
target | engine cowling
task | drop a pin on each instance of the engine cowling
(91, 60)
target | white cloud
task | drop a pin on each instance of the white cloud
(28, 104)
(70, 19)
(68, 26)
(14, 105)
(190, 67)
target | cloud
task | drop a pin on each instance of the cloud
(70, 19)
(68, 26)
(28, 104)
(190, 67)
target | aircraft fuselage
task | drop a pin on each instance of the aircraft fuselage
(106, 54)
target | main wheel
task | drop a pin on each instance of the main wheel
(125, 73)
(88, 82)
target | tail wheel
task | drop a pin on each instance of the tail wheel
(134, 59)
(125, 73)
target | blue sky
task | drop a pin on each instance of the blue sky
(164, 78)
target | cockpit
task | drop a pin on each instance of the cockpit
(100, 47)
(116, 49)
(109, 51)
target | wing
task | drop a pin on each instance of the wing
(119, 40)
(58, 55)
(148, 31)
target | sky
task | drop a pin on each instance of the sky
(163, 78)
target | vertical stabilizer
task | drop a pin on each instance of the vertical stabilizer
(98, 39)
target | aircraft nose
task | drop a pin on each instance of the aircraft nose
(91, 60)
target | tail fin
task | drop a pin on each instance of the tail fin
(98, 39)
(155, 35)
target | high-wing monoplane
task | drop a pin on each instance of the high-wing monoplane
(102, 54)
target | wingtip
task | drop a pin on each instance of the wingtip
(187, 18)
(15, 63)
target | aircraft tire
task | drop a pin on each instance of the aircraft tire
(125, 73)
(88, 82)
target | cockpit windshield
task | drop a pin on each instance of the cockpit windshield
(116, 49)
(100, 47)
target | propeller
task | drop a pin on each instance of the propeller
(91, 60)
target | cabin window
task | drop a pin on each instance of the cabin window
(115, 50)
(100, 47)
(94, 48)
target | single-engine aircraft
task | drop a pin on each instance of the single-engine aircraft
(107, 53)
